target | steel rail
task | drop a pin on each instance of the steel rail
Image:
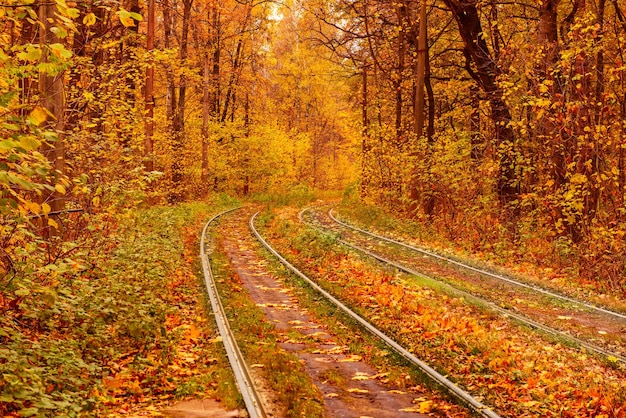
(477, 299)
(462, 395)
(480, 271)
(243, 378)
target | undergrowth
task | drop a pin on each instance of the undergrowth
(122, 328)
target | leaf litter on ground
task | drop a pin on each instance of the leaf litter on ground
(518, 371)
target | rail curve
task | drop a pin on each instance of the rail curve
(480, 271)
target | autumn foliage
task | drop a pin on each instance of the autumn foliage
(498, 124)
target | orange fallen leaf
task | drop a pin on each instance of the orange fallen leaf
(351, 358)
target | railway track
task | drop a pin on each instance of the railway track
(243, 378)
(480, 271)
(474, 298)
(245, 383)
(460, 394)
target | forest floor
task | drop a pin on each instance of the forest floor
(138, 337)
(310, 360)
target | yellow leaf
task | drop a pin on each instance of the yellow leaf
(60, 188)
(425, 407)
(52, 223)
(351, 358)
(38, 116)
(127, 21)
(410, 409)
(578, 178)
(89, 19)
(356, 390)
(45, 208)
(194, 332)
(125, 18)
(34, 207)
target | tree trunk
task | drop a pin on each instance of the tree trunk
(365, 179)
(148, 143)
(178, 125)
(216, 44)
(422, 53)
(485, 72)
(229, 97)
(204, 175)
(51, 94)
(419, 105)
(397, 83)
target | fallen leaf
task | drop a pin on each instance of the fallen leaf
(423, 407)
(194, 332)
(410, 409)
(351, 359)
(357, 390)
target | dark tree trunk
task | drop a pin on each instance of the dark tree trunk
(178, 122)
(148, 144)
(230, 90)
(484, 70)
